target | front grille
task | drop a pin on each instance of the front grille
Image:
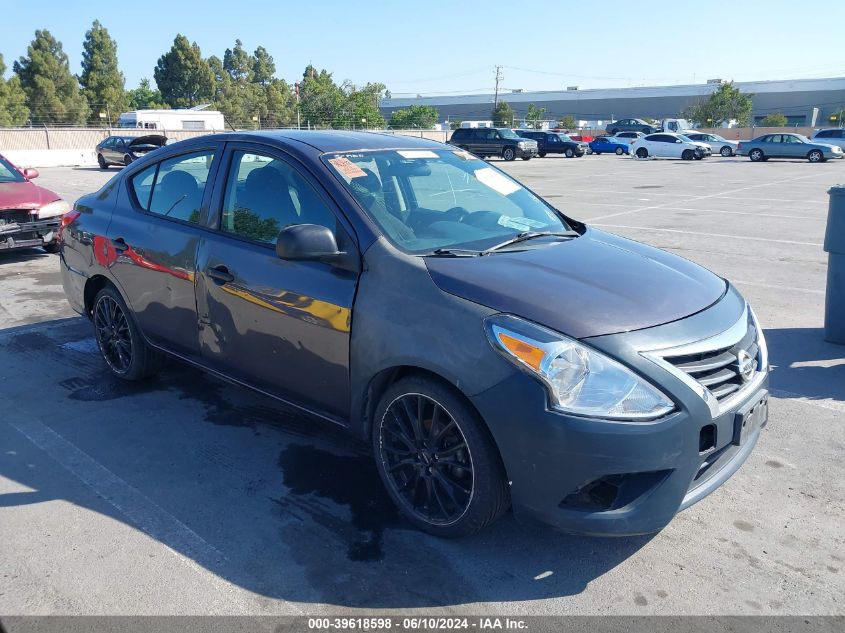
(15, 216)
(718, 370)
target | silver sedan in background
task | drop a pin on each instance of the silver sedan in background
(769, 146)
(718, 144)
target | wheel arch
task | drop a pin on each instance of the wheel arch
(93, 285)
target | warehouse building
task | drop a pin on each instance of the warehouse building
(805, 102)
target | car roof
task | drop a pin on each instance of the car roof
(332, 140)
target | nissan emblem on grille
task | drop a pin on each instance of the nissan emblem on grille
(746, 365)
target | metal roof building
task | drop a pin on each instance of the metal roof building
(796, 98)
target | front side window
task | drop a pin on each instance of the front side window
(174, 187)
(507, 133)
(264, 195)
(428, 199)
(8, 173)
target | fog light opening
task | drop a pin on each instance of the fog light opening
(707, 438)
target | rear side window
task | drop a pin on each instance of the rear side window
(826, 134)
(460, 134)
(174, 188)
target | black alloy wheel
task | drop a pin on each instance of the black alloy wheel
(642, 153)
(508, 153)
(113, 336)
(687, 154)
(437, 460)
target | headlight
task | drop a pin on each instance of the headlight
(57, 207)
(580, 380)
(522, 144)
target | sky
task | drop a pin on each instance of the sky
(453, 47)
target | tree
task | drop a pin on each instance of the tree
(238, 63)
(263, 67)
(568, 122)
(101, 80)
(726, 103)
(502, 115)
(13, 110)
(52, 92)
(321, 100)
(775, 119)
(414, 117)
(361, 106)
(535, 115)
(145, 98)
(183, 76)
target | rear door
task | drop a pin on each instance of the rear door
(282, 326)
(153, 241)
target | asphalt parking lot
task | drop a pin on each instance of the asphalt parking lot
(186, 495)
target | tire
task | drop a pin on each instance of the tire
(102, 162)
(52, 247)
(756, 155)
(642, 152)
(815, 156)
(542, 154)
(119, 338)
(646, 130)
(619, 151)
(509, 153)
(569, 153)
(687, 154)
(726, 151)
(526, 158)
(127, 160)
(459, 499)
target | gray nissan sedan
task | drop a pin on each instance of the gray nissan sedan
(493, 351)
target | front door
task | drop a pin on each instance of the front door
(281, 326)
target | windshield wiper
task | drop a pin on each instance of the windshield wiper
(528, 235)
(454, 252)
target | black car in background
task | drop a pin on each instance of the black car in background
(631, 125)
(122, 150)
(554, 143)
(489, 349)
(494, 141)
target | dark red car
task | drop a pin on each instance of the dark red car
(29, 215)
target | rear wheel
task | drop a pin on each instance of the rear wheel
(526, 158)
(127, 160)
(437, 459)
(756, 155)
(509, 153)
(815, 156)
(542, 154)
(102, 162)
(619, 151)
(726, 151)
(642, 153)
(569, 153)
(119, 338)
(688, 154)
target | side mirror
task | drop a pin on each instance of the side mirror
(307, 242)
(30, 172)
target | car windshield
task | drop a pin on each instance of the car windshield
(506, 133)
(801, 138)
(424, 200)
(564, 137)
(8, 173)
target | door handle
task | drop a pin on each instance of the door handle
(120, 244)
(220, 274)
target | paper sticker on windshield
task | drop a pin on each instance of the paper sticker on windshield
(520, 224)
(346, 167)
(463, 155)
(496, 181)
(416, 153)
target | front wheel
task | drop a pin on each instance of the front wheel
(642, 153)
(127, 160)
(726, 151)
(756, 155)
(542, 154)
(619, 151)
(437, 459)
(815, 156)
(102, 162)
(688, 154)
(569, 153)
(509, 153)
(119, 338)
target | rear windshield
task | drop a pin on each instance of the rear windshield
(428, 199)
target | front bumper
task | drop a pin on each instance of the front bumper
(526, 152)
(28, 234)
(599, 477)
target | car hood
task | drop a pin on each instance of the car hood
(593, 285)
(24, 195)
(151, 139)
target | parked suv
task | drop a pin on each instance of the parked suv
(494, 141)
(832, 136)
(554, 143)
(631, 125)
(490, 349)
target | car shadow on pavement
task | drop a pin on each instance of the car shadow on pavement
(278, 503)
(23, 255)
(805, 365)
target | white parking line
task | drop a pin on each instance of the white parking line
(711, 195)
(142, 512)
(732, 237)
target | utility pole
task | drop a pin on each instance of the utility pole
(498, 79)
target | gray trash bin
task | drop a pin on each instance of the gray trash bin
(834, 245)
